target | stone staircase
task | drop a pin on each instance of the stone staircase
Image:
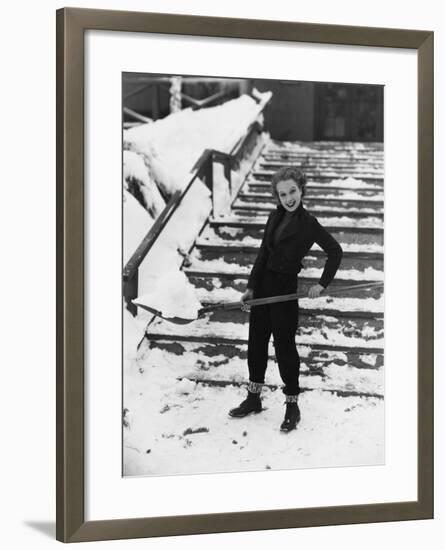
(340, 338)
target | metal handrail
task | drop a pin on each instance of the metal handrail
(200, 103)
(137, 116)
(156, 229)
(164, 83)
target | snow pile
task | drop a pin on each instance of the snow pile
(171, 146)
(137, 180)
(218, 295)
(137, 222)
(178, 236)
(173, 296)
(222, 199)
(218, 241)
(349, 379)
(353, 183)
(185, 386)
(297, 148)
(217, 266)
(134, 331)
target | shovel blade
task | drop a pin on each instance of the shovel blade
(175, 320)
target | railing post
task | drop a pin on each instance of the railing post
(208, 176)
(222, 190)
(131, 292)
(228, 173)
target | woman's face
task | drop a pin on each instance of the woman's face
(289, 194)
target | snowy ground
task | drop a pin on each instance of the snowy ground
(180, 427)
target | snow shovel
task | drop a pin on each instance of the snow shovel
(252, 303)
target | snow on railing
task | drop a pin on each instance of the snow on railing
(206, 170)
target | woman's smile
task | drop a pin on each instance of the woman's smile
(289, 194)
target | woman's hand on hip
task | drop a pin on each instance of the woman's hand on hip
(247, 295)
(315, 291)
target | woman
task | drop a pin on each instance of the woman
(289, 234)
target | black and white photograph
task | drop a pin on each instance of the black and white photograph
(252, 274)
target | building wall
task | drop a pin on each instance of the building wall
(306, 111)
(290, 114)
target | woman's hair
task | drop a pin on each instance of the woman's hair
(289, 173)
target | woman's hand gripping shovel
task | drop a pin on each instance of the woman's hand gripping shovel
(251, 303)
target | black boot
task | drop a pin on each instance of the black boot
(291, 417)
(252, 404)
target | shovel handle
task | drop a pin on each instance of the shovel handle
(284, 298)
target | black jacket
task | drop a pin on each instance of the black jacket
(294, 243)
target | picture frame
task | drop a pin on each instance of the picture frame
(71, 480)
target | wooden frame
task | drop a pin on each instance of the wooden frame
(71, 24)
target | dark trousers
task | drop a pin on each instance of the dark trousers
(280, 321)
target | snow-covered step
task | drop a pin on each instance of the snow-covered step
(328, 173)
(306, 385)
(221, 267)
(315, 316)
(367, 224)
(236, 281)
(325, 160)
(314, 148)
(335, 305)
(343, 199)
(352, 314)
(357, 322)
(208, 357)
(314, 166)
(343, 184)
(346, 157)
(245, 254)
(202, 330)
(326, 178)
(339, 147)
(252, 231)
(355, 325)
(316, 190)
(248, 244)
(312, 155)
(339, 306)
(255, 209)
(325, 145)
(311, 163)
